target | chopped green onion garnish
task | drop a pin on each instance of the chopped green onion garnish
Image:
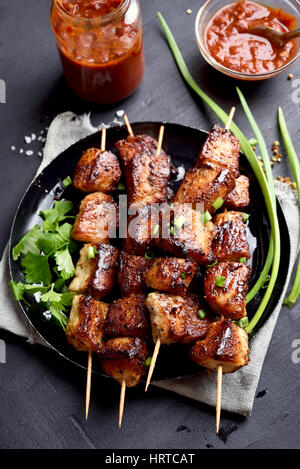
(183, 275)
(172, 230)
(201, 313)
(206, 217)
(121, 186)
(148, 361)
(155, 230)
(253, 142)
(245, 217)
(179, 222)
(171, 205)
(211, 265)
(91, 252)
(148, 256)
(220, 281)
(243, 323)
(67, 182)
(243, 260)
(218, 203)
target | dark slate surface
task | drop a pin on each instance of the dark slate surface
(42, 396)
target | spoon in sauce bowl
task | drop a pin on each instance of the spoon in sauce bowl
(277, 38)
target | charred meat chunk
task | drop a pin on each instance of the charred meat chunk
(230, 242)
(97, 171)
(205, 186)
(124, 358)
(221, 150)
(127, 317)
(97, 219)
(95, 276)
(139, 237)
(175, 319)
(147, 175)
(239, 198)
(225, 288)
(188, 236)
(226, 344)
(170, 274)
(131, 273)
(86, 323)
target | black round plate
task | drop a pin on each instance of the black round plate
(182, 144)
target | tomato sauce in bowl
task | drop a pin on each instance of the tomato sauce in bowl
(228, 42)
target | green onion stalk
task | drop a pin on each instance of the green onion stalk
(250, 155)
(269, 175)
(295, 165)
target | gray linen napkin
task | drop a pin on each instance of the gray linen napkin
(239, 388)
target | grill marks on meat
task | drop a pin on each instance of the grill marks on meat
(230, 242)
(229, 300)
(175, 319)
(131, 273)
(170, 274)
(193, 240)
(124, 358)
(239, 198)
(97, 219)
(97, 171)
(86, 323)
(205, 186)
(127, 317)
(220, 151)
(96, 276)
(147, 175)
(226, 344)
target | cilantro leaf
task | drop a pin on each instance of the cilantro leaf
(19, 289)
(50, 242)
(64, 263)
(27, 243)
(67, 298)
(36, 268)
(58, 314)
(54, 215)
(51, 296)
(65, 231)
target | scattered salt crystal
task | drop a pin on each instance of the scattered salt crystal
(120, 113)
(42, 131)
(40, 153)
(21, 150)
(189, 11)
(13, 148)
(43, 140)
(33, 137)
(27, 139)
(29, 152)
(40, 139)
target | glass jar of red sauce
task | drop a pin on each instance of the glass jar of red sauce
(100, 43)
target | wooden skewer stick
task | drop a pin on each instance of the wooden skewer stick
(152, 364)
(88, 385)
(127, 123)
(103, 139)
(122, 400)
(90, 354)
(220, 368)
(157, 344)
(230, 117)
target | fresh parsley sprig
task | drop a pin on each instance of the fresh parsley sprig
(47, 251)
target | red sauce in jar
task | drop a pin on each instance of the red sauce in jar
(105, 63)
(232, 46)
